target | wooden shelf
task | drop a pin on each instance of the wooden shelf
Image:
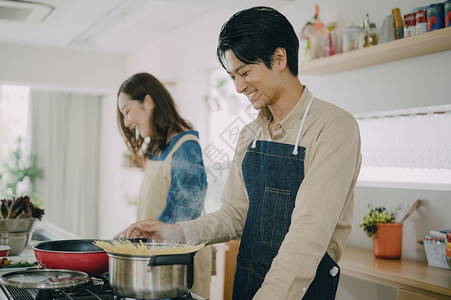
(407, 274)
(418, 45)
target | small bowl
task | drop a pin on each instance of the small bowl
(4, 250)
(448, 262)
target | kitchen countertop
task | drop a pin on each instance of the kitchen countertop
(405, 273)
(42, 231)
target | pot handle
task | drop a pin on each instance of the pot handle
(174, 259)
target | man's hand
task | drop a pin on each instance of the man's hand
(156, 230)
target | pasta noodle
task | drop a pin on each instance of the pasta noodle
(128, 247)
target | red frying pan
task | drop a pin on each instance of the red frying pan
(79, 255)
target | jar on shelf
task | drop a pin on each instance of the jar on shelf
(351, 38)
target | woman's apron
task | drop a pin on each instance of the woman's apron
(152, 201)
(272, 175)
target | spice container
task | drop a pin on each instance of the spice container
(409, 25)
(351, 38)
(420, 20)
(436, 16)
(447, 12)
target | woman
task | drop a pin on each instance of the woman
(174, 183)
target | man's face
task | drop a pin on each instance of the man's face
(256, 81)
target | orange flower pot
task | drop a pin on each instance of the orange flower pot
(387, 241)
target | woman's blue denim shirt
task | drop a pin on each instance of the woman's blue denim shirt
(188, 187)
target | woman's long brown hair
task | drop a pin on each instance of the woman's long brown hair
(165, 118)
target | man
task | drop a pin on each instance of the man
(290, 189)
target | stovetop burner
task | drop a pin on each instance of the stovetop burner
(98, 289)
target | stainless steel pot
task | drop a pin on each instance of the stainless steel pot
(151, 277)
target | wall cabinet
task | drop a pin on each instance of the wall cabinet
(418, 45)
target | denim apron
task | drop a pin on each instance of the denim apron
(272, 175)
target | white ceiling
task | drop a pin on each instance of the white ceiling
(142, 22)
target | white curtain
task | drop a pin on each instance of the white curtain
(65, 134)
(420, 140)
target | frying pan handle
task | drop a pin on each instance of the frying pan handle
(174, 259)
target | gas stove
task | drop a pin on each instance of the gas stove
(98, 289)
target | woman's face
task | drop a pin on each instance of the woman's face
(136, 114)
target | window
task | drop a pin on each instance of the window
(408, 148)
(13, 133)
(228, 113)
(13, 117)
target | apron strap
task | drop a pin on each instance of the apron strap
(186, 137)
(296, 144)
(298, 137)
(254, 142)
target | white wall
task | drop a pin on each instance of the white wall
(57, 68)
(187, 53)
(184, 57)
(83, 72)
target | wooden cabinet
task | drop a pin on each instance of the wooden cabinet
(402, 294)
(230, 266)
(418, 45)
(413, 279)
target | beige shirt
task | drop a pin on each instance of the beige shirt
(322, 218)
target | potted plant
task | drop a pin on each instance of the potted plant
(18, 212)
(379, 223)
(19, 172)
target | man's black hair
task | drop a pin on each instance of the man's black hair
(254, 34)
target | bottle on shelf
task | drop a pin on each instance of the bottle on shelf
(330, 41)
(369, 32)
(399, 28)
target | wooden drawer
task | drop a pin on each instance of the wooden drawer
(403, 294)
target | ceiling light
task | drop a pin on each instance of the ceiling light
(25, 11)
